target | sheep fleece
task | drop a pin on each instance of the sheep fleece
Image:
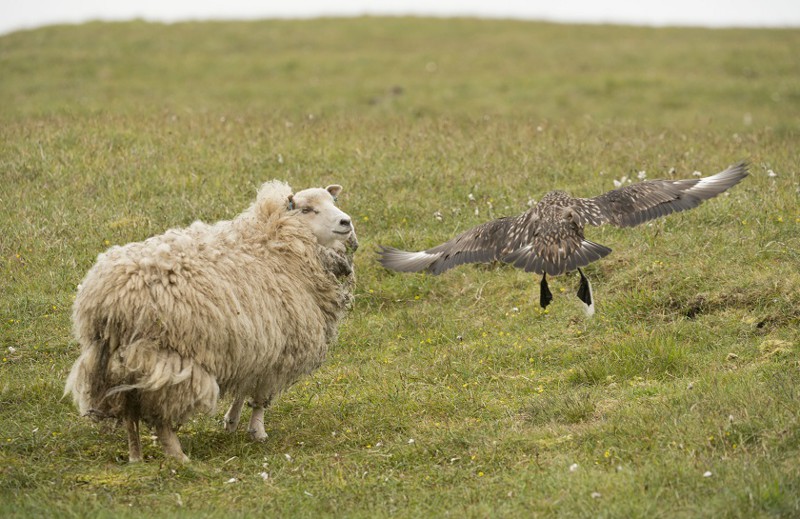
(182, 317)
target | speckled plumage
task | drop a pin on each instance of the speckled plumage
(549, 238)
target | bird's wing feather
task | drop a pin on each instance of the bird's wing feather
(635, 204)
(483, 243)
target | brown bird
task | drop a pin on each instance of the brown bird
(548, 238)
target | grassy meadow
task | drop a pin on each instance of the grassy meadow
(445, 396)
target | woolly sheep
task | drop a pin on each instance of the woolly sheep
(244, 307)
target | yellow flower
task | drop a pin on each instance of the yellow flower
(480, 474)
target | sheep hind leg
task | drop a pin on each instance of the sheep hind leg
(131, 414)
(256, 427)
(170, 443)
(134, 440)
(234, 414)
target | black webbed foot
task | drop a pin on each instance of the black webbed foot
(585, 294)
(545, 296)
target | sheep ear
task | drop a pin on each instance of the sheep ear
(334, 190)
(291, 205)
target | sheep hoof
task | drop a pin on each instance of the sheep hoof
(257, 435)
(230, 425)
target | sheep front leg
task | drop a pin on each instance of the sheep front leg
(170, 443)
(234, 414)
(256, 427)
(134, 440)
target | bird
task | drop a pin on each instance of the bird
(548, 239)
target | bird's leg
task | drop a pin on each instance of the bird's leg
(585, 294)
(545, 296)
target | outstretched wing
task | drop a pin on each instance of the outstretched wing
(484, 243)
(528, 241)
(637, 203)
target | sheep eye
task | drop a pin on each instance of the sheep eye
(307, 210)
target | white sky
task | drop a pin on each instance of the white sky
(22, 14)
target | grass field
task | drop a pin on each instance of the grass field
(451, 395)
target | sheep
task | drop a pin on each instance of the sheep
(243, 307)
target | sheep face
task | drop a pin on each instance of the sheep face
(332, 227)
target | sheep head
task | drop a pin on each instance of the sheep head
(332, 227)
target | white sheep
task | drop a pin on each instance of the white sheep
(244, 307)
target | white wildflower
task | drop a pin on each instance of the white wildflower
(621, 182)
(288, 457)
(438, 215)
(771, 174)
(573, 467)
(595, 495)
(232, 480)
(471, 197)
(697, 174)
(411, 441)
(707, 474)
(641, 175)
(264, 476)
(12, 349)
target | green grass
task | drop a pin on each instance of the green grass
(440, 398)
